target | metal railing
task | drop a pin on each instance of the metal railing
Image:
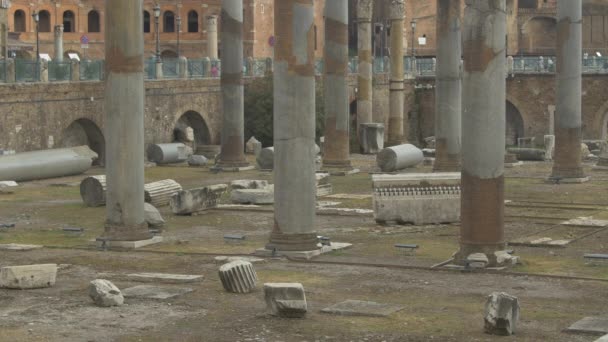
(59, 71)
(150, 69)
(170, 68)
(92, 70)
(27, 70)
(196, 68)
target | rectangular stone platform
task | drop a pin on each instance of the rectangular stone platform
(307, 255)
(128, 244)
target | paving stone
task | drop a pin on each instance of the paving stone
(590, 325)
(166, 277)
(285, 299)
(105, 294)
(586, 222)
(155, 292)
(362, 308)
(18, 247)
(501, 314)
(28, 276)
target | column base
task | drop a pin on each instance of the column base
(293, 242)
(126, 233)
(490, 251)
(307, 255)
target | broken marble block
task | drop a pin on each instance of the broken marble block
(105, 294)
(371, 138)
(187, 202)
(238, 276)
(265, 159)
(253, 146)
(153, 216)
(28, 277)
(477, 260)
(253, 196)
(501, 314)
(8, 187)
(285, 299)
(197, 160)
(248, 184)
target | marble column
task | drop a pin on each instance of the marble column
(567, 165)
(124, 117)
(294, 128)
(365, 76)
(396, 129)
(58, 43)
(212, 37)
(483, 129)
(233, 124)
(448, 92)
(336, 150)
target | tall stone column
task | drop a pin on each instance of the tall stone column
(483, 129)
(212, 36)
(448, 92)
(124, 111)
(233, 141)
(364, 51)
(567, 165)
(335, 86)
(59, 43)
(397, 96)
(294, 127)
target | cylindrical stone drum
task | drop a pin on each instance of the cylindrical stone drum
(159, 193)
(43, 164)
(168, 153)
(93, 191)
(399, 157)
(266, 159)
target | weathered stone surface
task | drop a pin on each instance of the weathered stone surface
(105, 294)
(155, 292)
(253, 146)
(506, 259)
(238, 276)
(478, 260)
(372, 138)
(225, 259)
(590, 325)
(197, 160)
(253, 196)
(8, 187)
(93, 191)
(169, 153)
(248, 184)
(18, 247)
(529, 154)
(399, 157)
(285, 299)
(501, 314)
(153, 216)
(165, 277)
(602, 339)
(159, 193)
(549, 146)
(28, 277)
(362, 308)
(265, 159)
(191, 201)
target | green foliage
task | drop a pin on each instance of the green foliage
(259, 106)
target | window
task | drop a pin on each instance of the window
(146, 22)
(69, 23)
(19, 18)
(192, 21)
(44, 21)
(93, 21)
(169, 21)
(528, 4)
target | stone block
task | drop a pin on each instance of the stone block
(153, 216)
(129, 244)
(362, 308)
(197, 160)
(265, 159)
(105, 294)
(155, 292)
(528, 154)
(371, 138)
(248, 184)
(590, 325)
(18, 247)
(166, 278)
(285, 299)
(238, 276)
(419, 198)
(8, 187)
(226, 259)
(28, 277)
(501, 314)
(549, 146)
(477, 260)
(253, 196)
(253, 146)
(187, 202)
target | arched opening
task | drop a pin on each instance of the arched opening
(539, 36)
(44, 21)
(514, 125)
(93, 21)
(85, 132)
(192, 21)
(69, 21)
(19, 21)
(191, 130)
(168, 22)
(146, 22)
(168, 54)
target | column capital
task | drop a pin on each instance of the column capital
(365, 9)
(397, 10)
(59, 29)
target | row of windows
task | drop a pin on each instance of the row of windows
(93, 21)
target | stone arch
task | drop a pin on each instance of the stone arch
(191, 129)
(514, 124)
(539, 35)
(168, 54)
(85, 132)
